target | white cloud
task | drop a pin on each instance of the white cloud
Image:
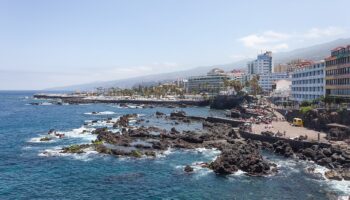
(267, 38)
(315, 33)
(277, 41)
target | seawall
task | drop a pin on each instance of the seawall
(233, 122)
(76, 100)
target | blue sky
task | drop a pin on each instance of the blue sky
(55, 43)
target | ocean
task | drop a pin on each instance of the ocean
(31, 169)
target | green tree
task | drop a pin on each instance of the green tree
(254, 85)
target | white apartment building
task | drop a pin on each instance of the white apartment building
(267, 80)
(308, 83)
(262, 65)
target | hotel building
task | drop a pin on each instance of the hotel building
(213, 82)
(308, 82)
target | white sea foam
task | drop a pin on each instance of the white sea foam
(56, 151)
(343, 186)
(29, 148)
(37, 139)
(82, 132)
(46, 104)
(107, 123)
(287, 166)
(132, 121)
(209, 153)
(164, 153)
(198, 170)
(239, 173)
(100, 113)
(291, 167)
(88, 154)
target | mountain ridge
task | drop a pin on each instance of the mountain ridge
(314, 52)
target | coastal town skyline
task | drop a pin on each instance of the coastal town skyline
(64, 45)
(164, 99)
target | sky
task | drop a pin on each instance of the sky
(47, 44)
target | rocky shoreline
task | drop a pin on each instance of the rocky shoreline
(236, 153)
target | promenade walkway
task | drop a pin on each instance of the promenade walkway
(289, 130)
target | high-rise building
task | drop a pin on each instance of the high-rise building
(262, 65)
(338, 73)
(308, 82)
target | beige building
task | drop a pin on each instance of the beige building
(338, 73)
(280, 68)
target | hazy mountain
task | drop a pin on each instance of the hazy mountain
(316, 52)
(154, 78)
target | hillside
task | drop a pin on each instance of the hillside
(316, 52)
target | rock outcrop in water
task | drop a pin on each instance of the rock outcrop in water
(236, 153)
(149, 141)
(336, 158)
(242, 156)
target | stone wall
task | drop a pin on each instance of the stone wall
(229, 101)
(232, 122)
(317, 119)
(290, 114)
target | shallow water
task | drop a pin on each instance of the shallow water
(27, 173)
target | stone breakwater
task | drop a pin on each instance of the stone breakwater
(84, 100)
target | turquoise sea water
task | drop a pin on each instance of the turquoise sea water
(27, 173)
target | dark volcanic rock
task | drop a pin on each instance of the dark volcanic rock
(159, 114)
(283, 148)
(309, 153)
(123, 121)
(188, 168)
(267, 133)
(178, 114)
(75, 148)
(243, 156)
(192, 138)
(113, 138)
(174, 131)
(333, 175)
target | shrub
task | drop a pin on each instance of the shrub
(305, 109)
(136, 153)
(97, 142)
(44, 139)
(305, 104)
